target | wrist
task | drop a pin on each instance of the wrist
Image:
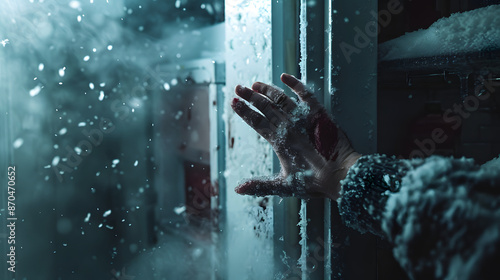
(349, 161)
(341, 173)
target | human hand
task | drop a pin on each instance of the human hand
(314, 153)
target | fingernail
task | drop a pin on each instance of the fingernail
(257, 86)
(238, 88)
(235, 101)
(285, 76)
(289, 80)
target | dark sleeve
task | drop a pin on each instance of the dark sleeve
(441, 214)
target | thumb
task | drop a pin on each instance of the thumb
(266, 186)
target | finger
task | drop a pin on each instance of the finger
(253, 119)
(299, 88)
(274, 114)
(276, 95)
(264, 187)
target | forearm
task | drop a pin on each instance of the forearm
(440, 214)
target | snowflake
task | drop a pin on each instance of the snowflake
(4, 42)
(120, 275)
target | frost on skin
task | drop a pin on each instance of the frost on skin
(314, 154)
(441, 214)
(268, 185)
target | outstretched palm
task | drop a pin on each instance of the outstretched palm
(314, 153)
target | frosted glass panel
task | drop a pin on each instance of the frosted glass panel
(248, 59)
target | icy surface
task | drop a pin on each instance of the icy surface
(302, 111)
(303, 40)
(303, 237)
(248, 54)
(471, 31)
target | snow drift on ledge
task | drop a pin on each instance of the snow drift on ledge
(472, 31)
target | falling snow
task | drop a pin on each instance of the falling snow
(78, 150)
(75, 4)
(55, 160)
(36, 90)
(179, 210)
(166, 86)
(62, 71)
(107, 213)
(17, 143)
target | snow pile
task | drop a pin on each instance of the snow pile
(471, 31)
(494, 163)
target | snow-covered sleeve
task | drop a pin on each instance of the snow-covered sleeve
(366, 188)
(441, 214)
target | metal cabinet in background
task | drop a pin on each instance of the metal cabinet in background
(189, 140)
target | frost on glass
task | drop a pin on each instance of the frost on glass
(249, 221)
(303, 40)
(303, 71)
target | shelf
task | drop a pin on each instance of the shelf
(459, 63)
